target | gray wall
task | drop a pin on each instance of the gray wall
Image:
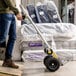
(25, 2)
(75, 14)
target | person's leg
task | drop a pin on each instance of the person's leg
(11, 39)
(5, 22)
(3, 32)
(10, 44)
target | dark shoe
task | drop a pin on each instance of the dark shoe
(10, 63)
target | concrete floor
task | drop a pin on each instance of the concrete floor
(38, 69)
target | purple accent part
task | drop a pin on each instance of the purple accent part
(36, 44)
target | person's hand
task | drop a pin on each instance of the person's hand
(19, 16)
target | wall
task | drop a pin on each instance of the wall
(56, 2)
(25, 2)
(75, 14)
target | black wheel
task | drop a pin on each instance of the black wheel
(52, 64)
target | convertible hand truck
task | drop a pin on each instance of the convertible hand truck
(51, 60)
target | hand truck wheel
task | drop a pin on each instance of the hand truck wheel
(52, 64)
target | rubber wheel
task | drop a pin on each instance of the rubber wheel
(52, 64)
